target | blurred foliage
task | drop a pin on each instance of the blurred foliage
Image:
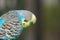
(51, 17)
(19, 6)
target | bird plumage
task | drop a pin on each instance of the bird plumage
(13, 23)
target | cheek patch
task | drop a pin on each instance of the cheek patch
(2, 22)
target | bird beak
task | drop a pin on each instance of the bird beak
(33, 20)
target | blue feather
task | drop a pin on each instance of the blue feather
(21, 16)
(1, 22)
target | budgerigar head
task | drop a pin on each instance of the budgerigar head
(27, 18)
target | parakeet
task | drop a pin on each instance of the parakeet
(13, 22)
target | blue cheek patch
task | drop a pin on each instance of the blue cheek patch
(1, 22)
(31, 23)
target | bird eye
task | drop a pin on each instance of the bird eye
(25, 20)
